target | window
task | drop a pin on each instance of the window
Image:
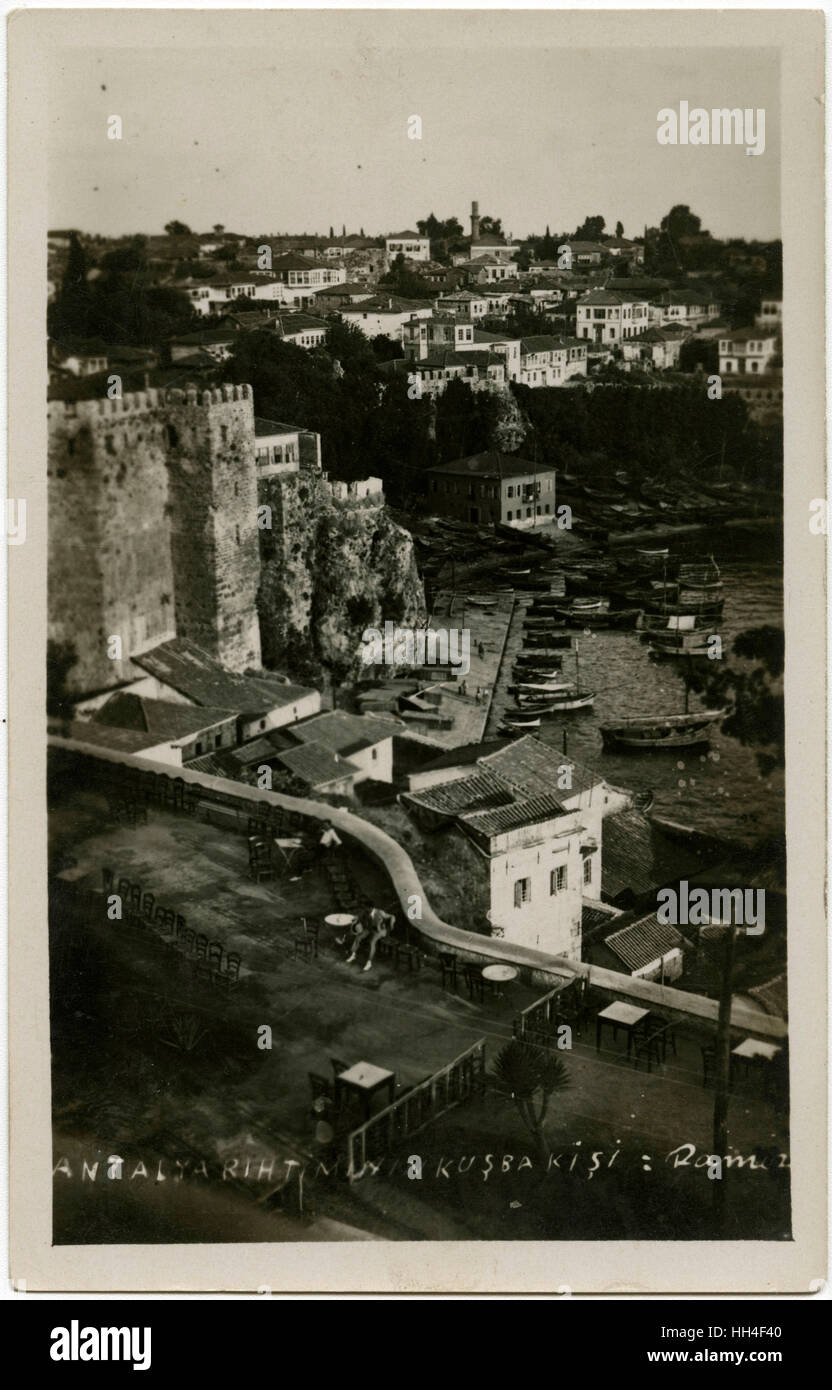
(522, 891)
(558, 880)
(218, 740)
(588, 869)
(198, 749)
(374, 754)
(509, 516)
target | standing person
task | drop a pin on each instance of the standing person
(481, 651)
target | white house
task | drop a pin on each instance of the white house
(771, 314)
(606, 317)
(385, 314)
(281, 448)
(412, 245)
(363, 740)
(746, 351)
(536, 818)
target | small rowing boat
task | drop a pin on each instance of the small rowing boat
(646, 733)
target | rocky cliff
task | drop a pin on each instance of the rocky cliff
(329, 569)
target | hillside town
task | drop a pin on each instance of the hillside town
(415, 624)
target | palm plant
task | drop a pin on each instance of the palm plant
(531, 1075)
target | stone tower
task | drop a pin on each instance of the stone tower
(215, 548)
(152, 529)
(110, 567)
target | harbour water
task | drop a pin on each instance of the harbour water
(720, 790)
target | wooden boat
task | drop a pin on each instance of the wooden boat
(522, 724)
(623, 617)
(560, 704)
(532, 654)
(480, 601)
(539, 687)
(650, 732)
(516, 574)
(535, 673)
(679, 653)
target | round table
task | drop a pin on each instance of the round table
(499, 974)
(340, 919)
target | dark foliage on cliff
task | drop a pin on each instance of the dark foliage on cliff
(753, 694)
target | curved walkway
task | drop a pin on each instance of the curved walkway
(539, 967)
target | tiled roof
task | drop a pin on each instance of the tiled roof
(316, 764)
(339, 731)
(639, 857)
(490, 465)
(531, 768)
(643, 942)
(161, 719)
(541, 343)
(406, 236)
(773, 996)
(186, 668)
(607, 297)
(529, 811)
(266, 427)
(462, 794)
(386, 304)
(105, 735)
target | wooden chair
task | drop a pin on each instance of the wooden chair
(203, 974)
(136, 896)
(123, 889)
(148, 903)
(189, 939)
(474, 982)
(108, 878)
(664, 1032)
(447, 964)
(410, 956)
(201, 946)
(229, 978)
(215, 952)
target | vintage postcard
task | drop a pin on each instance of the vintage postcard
(417, 545)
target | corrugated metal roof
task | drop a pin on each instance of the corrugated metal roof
(643, 942)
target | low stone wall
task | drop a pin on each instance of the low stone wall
(536, 967)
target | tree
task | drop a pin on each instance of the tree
(218, 228)
(531, 1074)
(177, 229)
(492, 226)
(591, 229)
(619, 229)
(753, 697)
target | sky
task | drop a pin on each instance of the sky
(309, 133)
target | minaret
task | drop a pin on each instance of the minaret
(475, 221)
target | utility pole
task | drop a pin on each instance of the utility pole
(722, 1076)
